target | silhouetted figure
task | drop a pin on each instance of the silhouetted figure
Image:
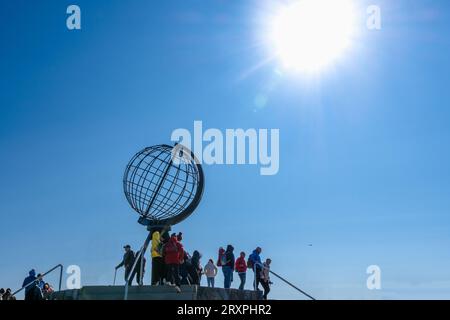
(228, 266)
(38, 286)
(29, 291)
(196, 268)
(8, 295)
(186, 269)
(137, 269)
(127, 263)
(165, 237)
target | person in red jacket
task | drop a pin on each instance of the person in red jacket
(173, 257)
(241, 269)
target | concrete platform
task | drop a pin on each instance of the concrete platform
(156, 293)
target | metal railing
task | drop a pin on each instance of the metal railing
(279, 277)
(138, 259)
(43, 275)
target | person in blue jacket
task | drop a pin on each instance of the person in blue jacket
(254, 262)
(40, 281)
(29, 291)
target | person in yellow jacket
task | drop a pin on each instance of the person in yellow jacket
(158, 266)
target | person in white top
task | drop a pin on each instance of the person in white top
(210, 271)
(265, 278)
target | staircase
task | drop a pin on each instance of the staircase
(155, 293)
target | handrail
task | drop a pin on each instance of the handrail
(141, 256)
(133, 268)
(46, 273)
(282, 279)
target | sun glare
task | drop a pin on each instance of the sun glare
(308, 35)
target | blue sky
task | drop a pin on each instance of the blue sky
(364, 163)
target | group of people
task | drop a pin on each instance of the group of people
(229, 264)
(36, 288)
(173, 265)
(6, 294)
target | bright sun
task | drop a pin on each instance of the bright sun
(310, 34)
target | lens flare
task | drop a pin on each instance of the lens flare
(308, 35)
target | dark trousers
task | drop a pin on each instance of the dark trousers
(33, 293)
(257, 272)
(173, 274)
(243, 277)
(139, 276)
(127, 272)
(29, 293)
(158, 270)
(266, 287)
(227, 276)
(194, 275)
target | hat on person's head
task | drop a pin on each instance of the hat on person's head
(32, 272)
(127, 246)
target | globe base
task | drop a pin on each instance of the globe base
(152, 226)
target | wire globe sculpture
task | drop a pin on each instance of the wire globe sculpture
(163, 184)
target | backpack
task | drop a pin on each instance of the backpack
(250, 263)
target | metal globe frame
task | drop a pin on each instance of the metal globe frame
(144, 190)
(163, 184)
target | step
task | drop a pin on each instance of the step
(155, 293)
